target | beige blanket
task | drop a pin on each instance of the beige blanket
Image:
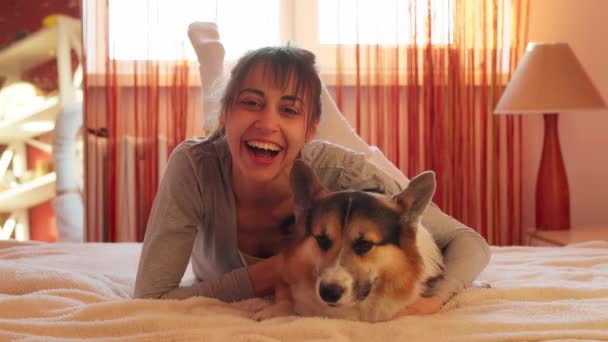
(59, 292)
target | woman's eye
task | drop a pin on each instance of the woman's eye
(291, 110)
(250, 103)
(324, 242)
(360, 247)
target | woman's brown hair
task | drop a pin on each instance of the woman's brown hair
(282, 63)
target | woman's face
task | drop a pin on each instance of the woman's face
(266, 127)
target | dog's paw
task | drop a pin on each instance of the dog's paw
(279, 309)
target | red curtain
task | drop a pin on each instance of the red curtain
(137, 111)
(429, 106)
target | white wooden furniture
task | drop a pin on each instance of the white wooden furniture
(566, 237)
(53, 41)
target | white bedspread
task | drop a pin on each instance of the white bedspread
(59, 292)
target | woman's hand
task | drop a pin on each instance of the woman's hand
(266, 274)
(422, 306)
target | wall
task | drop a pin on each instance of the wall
(583, 136)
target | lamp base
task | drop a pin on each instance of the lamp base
(552, 195)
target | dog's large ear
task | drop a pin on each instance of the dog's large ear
(305, 185)
(414, 199)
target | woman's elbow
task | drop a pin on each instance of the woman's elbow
(486, 252)
(477, 245)
(142, 294)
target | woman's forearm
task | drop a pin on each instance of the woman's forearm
(256, 280)
(465, 258)
(465, 252)
(265, 274)
(229, 287)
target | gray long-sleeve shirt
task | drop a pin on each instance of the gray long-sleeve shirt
(194, 217)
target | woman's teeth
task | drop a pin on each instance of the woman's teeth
(264, 150)
(264, 146)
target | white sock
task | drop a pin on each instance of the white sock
(205, 39)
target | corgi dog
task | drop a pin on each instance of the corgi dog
(357, 255)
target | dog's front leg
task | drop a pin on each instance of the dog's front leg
(282, 306)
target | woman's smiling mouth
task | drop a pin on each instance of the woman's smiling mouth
(263, 151)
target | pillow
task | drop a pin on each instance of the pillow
(333, 126)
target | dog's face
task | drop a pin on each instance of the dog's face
(358, 245)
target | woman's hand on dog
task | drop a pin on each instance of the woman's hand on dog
(422, 306)
(266, 274)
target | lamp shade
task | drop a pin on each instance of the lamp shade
(549, 79)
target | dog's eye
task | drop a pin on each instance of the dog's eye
(324, 242)
(362, 246)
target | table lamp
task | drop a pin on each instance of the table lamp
(549, 80)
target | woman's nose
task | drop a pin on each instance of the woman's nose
(268, 120)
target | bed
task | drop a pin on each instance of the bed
(62, 291)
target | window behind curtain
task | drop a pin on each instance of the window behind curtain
(157, 29)
(384, 22)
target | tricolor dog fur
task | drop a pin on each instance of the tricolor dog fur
(357, 255)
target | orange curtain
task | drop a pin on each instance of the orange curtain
(137, 111)
(429, 106)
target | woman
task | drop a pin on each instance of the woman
(223, 200)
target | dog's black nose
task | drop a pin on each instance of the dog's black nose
(330, 293)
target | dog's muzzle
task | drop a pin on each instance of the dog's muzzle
(330, 293)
